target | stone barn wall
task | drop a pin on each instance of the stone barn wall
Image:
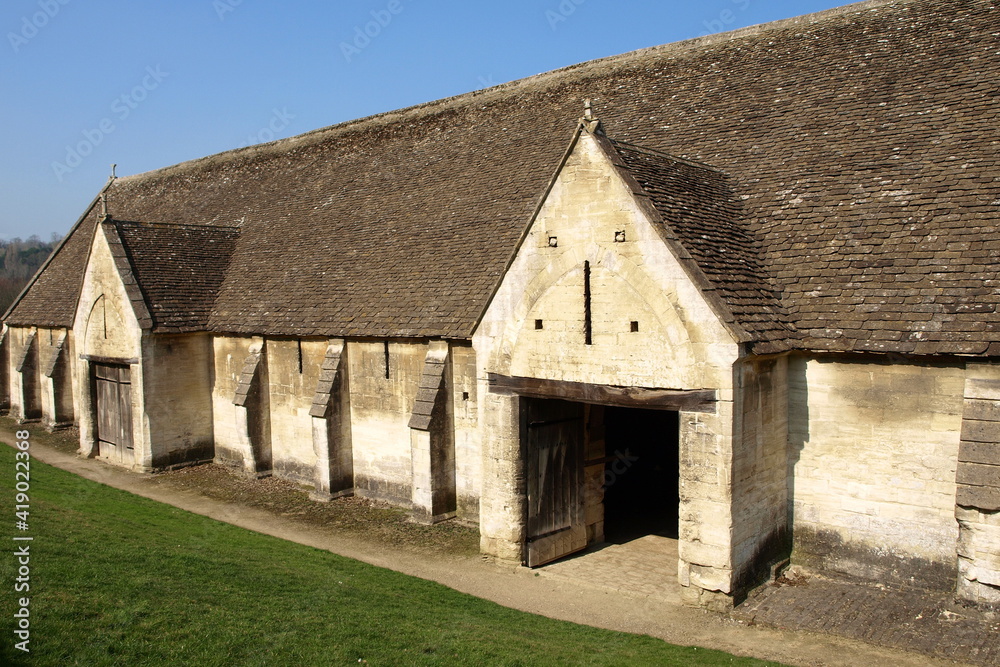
(468, 457)
(24, 378)
(4, 370)
(874, 448)
(761, 534)
(56, 377)
(338, 416)
(293, 369)
(978, 502)
(229, 420)
(381, 407)
(177, 394)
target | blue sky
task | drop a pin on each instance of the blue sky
(150, 84)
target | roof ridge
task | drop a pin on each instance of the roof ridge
(395, 115)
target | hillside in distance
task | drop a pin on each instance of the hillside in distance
(19, 260)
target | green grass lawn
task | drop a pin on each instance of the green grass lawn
(121, 580)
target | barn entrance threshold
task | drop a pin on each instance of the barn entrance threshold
(645, 567)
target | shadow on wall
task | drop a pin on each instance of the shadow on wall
(798, 429)
(4, 373)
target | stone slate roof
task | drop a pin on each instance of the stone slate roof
(861, 145)
(179, 269)
(703, 219)
(50, 300)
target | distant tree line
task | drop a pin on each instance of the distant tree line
(19, 260)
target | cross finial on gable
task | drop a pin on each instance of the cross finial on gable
(105, 216)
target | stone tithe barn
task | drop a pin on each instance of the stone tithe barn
(746, 296)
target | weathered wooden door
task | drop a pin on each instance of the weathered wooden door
(113, 403)
(554, 433)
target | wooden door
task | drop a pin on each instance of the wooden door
(554, 431)
(113, 407)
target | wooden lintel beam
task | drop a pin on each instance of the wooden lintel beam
(697, 400)
(93, 358)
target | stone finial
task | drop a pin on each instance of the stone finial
(590, 121)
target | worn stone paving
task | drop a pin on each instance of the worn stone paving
(646, 566)
(910, 619)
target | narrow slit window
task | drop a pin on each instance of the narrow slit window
(385, 349)
(588, 337)
(299, 347)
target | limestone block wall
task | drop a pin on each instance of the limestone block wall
(761, 534)
(873, 458)
(331, 422)
(293, 368)
(72, 368)
(978, 499)
(5, 370)
(468, 457)
(432, 444)
(24, 379)
(650, 326)
(105, 322)
(535, 324)
(380, 413)
(229, 352)
(502, 506)
(177, 395)
(979, 555)
(379, 410)
(55, 370)
(706, 523)
(49, 350)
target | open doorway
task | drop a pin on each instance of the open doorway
(641, 473)
(596, 474)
